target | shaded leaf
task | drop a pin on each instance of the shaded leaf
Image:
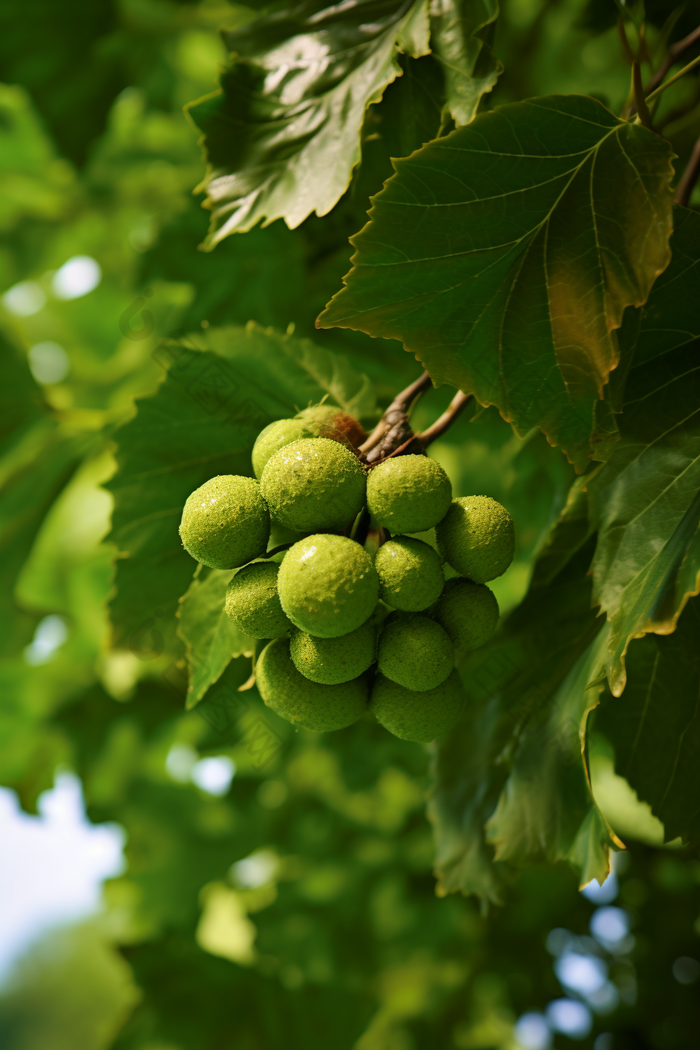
(283, 133)
(644, 503)
(671, 318)
(566, 536)
(546, 810)
(519, 743)
(654, 725)
(210, 637)
(505, 254)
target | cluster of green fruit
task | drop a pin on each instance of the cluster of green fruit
(340, 630)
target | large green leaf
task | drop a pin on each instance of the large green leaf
(644, 503)
(546, 810)
(511, 774)
(203, 421)
(210, 637)
(282, 135)
(505, 254)
(655, 725)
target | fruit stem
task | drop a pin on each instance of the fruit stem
(395, 415)
(457, 405)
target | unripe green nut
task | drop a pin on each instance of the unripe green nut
(468, 612)
(275, 436)
(415, 652)
(408, 493)
(334, 660)
(410, 574)
(476, 537)
(252, 601)
(420, 717)
(314, 484)
(328, 585)
(225, 522)
(321, 708)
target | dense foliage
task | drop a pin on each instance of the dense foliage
(533, 240)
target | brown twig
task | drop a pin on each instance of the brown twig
(672, 57)
(639, 102)
(396, 410)
(457, 405)
(689, 177)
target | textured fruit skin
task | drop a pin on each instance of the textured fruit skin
(415, 652)
(408, 493)
(252, 601)
(410, 574)
(420, 717)
(225, 522)
(275, 436)
(314, 484)
(321, 708)
(334, 660)
(340, 426)
(476, 537)
(328, 585)
(468, 612)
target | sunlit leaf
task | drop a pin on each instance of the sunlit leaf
(282, 135)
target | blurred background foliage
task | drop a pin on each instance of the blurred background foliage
(293, 905)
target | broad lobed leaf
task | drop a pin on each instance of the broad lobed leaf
(282, 135)
(505, 254)
(644, 502)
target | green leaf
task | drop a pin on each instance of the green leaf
(566, 536)
(461, 33)
(654, 726)
(282, 135)
(644, 503)
(514, 762)
(505, 254)
(210, 637)
(546, 810)
(203, 421)
(671, 317)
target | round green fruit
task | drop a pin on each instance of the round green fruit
(468, 612)
(252, 601)
(327, 585)
(410, 574)
(476, 537)
(415, 652)
(275, 436)
(321, 708)
(420, 717)
(314, 484)
(225, 522)
(334, 660)
(408, 493)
